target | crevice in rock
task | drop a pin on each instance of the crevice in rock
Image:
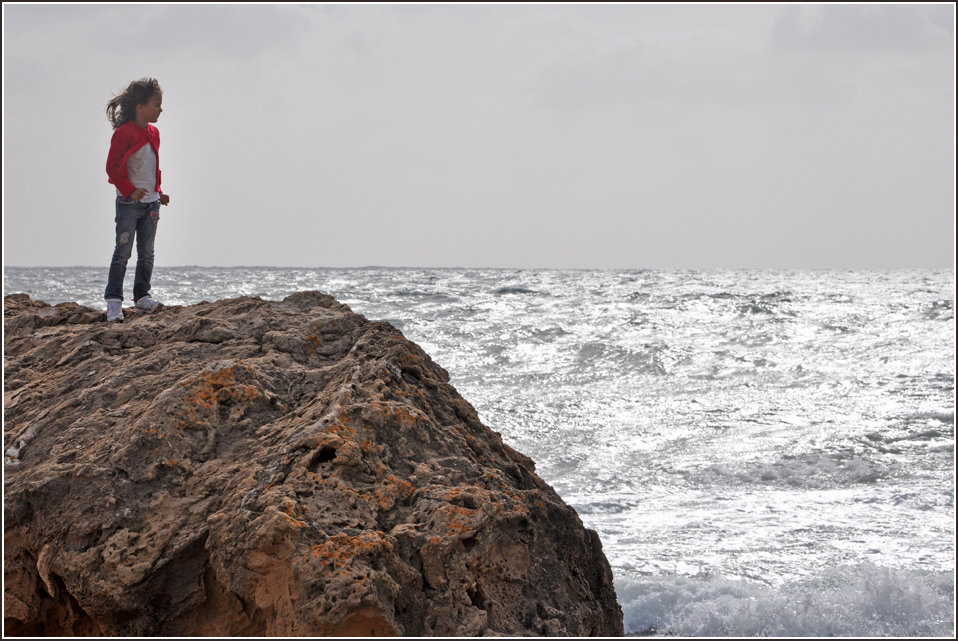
(322, 456)
(59, 615)
(476, 597)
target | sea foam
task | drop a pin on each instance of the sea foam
(863, 600)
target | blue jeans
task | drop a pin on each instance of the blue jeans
(134, 220)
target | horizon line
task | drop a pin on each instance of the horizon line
(505, 268)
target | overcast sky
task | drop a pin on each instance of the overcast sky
(611, 136)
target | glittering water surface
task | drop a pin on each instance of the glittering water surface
(762, 453)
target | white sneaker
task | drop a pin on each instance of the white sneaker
(114, 310)
(147, 304)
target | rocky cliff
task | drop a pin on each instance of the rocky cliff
(250, 467)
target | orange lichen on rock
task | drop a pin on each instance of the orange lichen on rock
(211, 390)
(294, 512)
(390, 491)
(341, 549)
(458, 520)
(338, 429)
(313, 341)
(398, 414)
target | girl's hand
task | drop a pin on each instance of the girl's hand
(164, 199)
(137, 194)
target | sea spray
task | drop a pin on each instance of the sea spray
(850, 601)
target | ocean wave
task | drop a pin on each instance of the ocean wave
(940, 310)
(546, 334)
(424, 296)
(815, 470)
(774, 309)
(649, 359)
(947, 418)
(513, 290)
(779, 297)
(861, 600)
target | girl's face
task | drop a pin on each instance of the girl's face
(151, 110)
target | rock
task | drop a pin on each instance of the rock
(249, 467)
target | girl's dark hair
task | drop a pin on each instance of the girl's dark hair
(122, 109)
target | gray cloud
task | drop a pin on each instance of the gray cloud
(865, 28)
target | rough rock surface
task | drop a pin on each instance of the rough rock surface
(249, 467)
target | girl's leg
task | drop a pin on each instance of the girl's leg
(145, 235)
(127, 214)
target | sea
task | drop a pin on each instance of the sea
(763, 453)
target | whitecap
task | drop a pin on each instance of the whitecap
(860, 600)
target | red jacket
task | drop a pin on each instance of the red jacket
(126, 141)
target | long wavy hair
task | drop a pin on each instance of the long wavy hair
(122, 109)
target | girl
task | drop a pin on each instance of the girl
(133, 166)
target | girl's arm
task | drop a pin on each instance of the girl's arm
(115, 166)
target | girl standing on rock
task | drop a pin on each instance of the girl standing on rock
(133, 166)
